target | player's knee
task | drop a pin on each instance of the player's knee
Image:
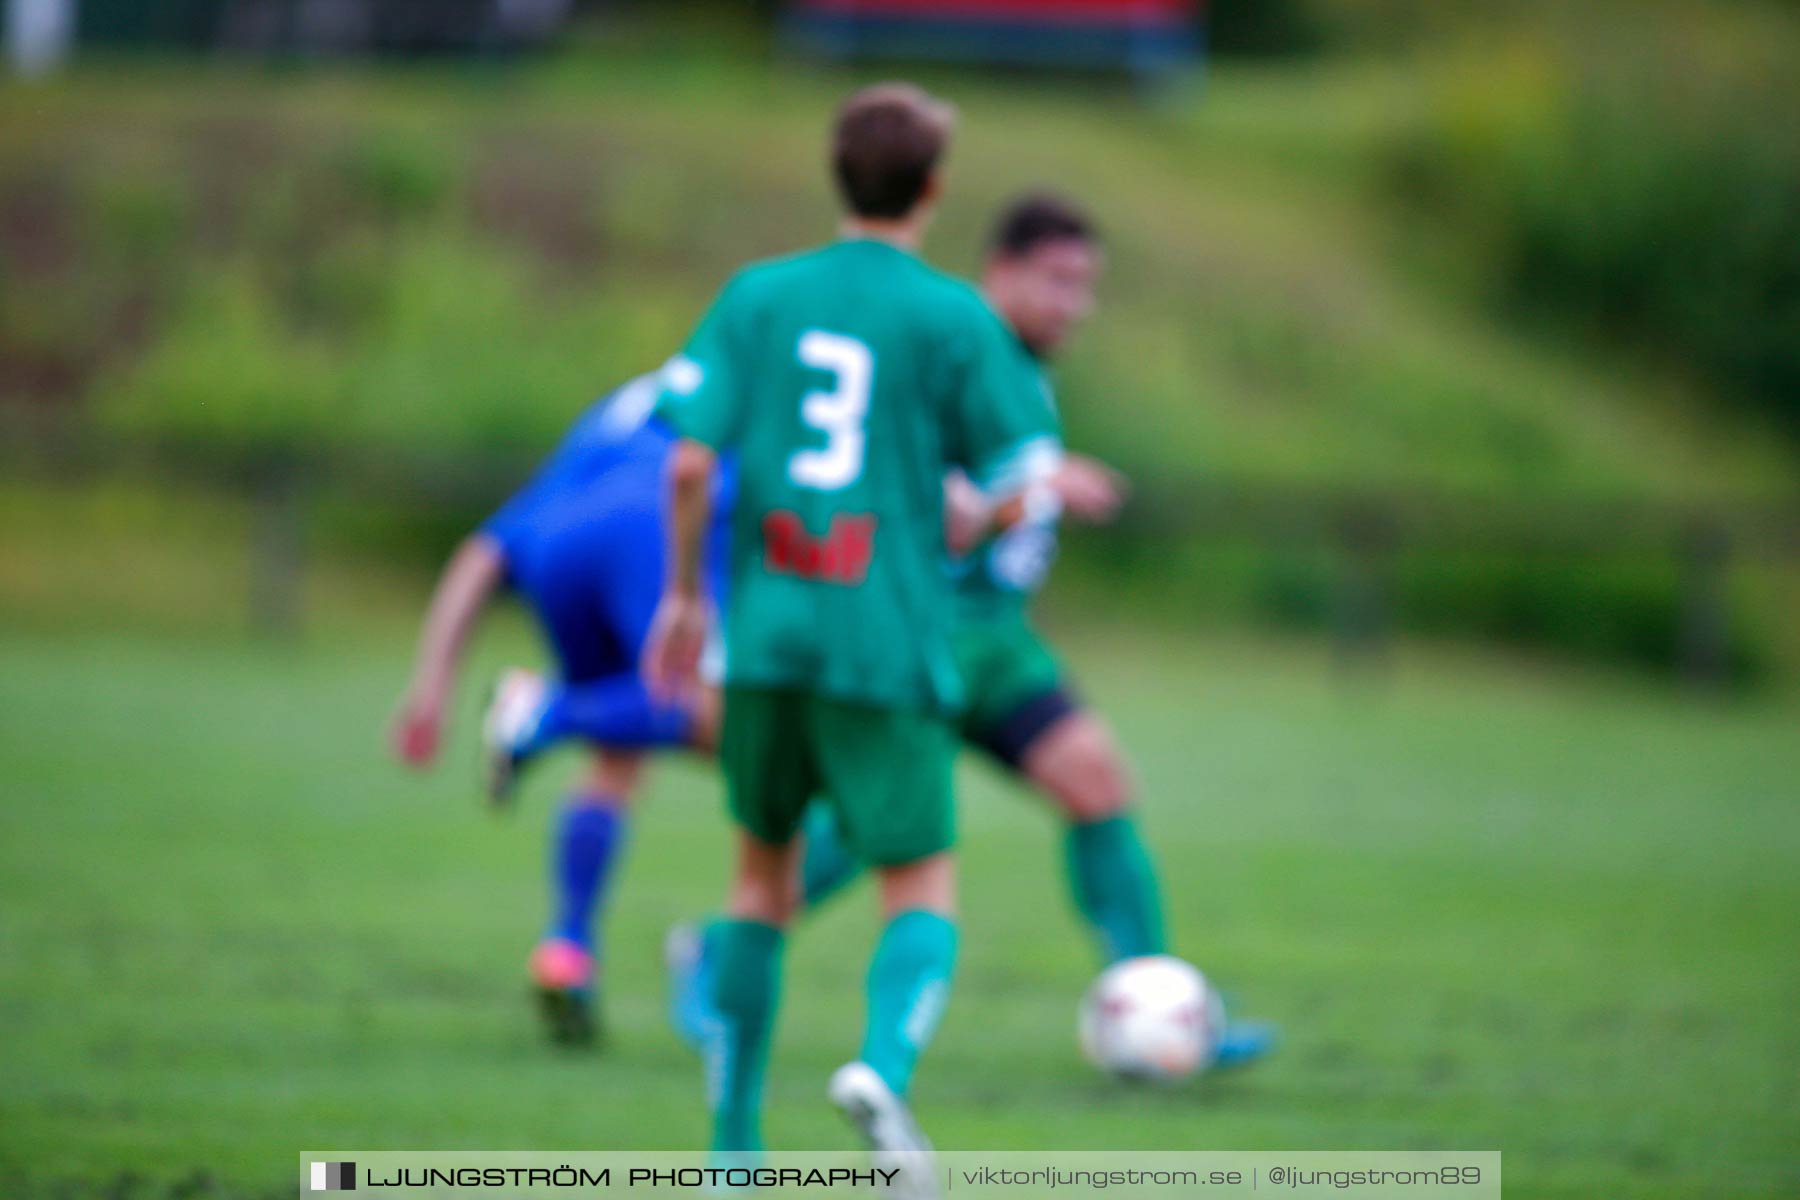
(612, 780)
(759, 896)
(593, 794)
(1099, 788)
(1081, 769)
(927, 883)
(769, 901)
(764, 887)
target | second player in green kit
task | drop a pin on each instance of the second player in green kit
(1019, 704)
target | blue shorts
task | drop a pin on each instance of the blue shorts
(592, 638)
(594, 581)
(584, 543)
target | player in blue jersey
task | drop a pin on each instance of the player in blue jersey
(582, 545)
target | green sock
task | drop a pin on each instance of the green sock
(827, 866)
(909, 981)
(746, 989)
(1115, 887)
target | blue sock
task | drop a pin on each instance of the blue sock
(828, 865)
(611, 712)
(909, 982)
(587, 840)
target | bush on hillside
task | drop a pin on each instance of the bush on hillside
(1642, 187)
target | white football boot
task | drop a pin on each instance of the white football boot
(895, 1140)
(515, 705)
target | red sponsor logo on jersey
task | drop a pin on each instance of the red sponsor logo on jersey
(841, 556)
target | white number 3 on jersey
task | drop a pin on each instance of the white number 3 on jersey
(838, 413)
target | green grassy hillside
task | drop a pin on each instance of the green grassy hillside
(420, 265)
(452, 259)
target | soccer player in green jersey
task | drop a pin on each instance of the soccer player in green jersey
(847, 380)
(1042, 265)
(1043, 262)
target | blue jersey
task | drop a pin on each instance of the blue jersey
(583, 541)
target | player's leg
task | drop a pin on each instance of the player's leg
(745, 951)
(587, 841)
(908, 986)
(595, 616)
(1077, 764)
(1022, 712)
(529, 715)
(619, 711)
(910, 973)
(826, 866)
(888, 776)
(769, 777)
(589, 652)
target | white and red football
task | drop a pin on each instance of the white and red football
(1153, 1018)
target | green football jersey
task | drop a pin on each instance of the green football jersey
(999, 577)
(847, 380)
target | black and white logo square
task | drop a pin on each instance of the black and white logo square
(334, 1177)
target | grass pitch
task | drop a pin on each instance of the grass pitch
(1490, 908)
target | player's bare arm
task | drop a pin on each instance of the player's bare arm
(678, 631)
(1087, 490)
(472, 575)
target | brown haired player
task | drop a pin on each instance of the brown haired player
(847, 380)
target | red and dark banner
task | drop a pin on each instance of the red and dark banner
(1096, 11)
(1144, 36)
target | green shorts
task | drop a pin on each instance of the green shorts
(1015, 686)
(885, 772)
